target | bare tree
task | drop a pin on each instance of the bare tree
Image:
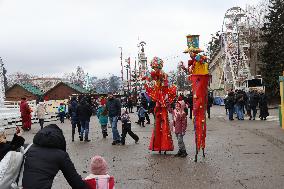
(19, 78)
(114, 83)
(101, 85)
(77, 77)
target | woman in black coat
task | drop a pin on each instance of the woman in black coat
(263, 107)
(6, 146)
(46, 157)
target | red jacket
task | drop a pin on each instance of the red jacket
(180, 119)
(100, 181)
(25, 109)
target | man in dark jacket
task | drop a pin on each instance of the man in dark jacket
(253, 99)
(84, 112)
(240, 105)
(230, 103)
(209, 103)
(72, 111)
(190, 104)
(46, 157)
(144, 103)
(114, 112)
(130, 104)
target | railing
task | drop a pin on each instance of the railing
(10, 116)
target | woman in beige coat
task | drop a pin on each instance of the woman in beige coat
(40, 112)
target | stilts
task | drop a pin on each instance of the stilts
(196, 149)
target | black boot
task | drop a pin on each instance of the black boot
(81, 138)
(87, 140)
(104, 135)
(73, 133)
(178, 154)
(183, 153)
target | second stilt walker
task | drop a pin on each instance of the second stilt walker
(162, 94)
(199, 76)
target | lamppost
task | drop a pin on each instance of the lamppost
(127, 66)
(121, 63)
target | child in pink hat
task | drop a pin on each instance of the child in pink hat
(99, 178)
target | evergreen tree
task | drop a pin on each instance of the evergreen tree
(273, 50)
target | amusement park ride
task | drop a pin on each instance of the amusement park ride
(235, 51)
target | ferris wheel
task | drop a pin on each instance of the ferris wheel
(235, 33)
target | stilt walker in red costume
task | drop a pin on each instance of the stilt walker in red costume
(199, 76)
(161, 93)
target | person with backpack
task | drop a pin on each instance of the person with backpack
(141, 116)
(6, 146)
(144, 103)
(61, 112)
(46, 157)
(103, 118)
(72, 111)
(84, 112)
(40, 112)
(99, 177)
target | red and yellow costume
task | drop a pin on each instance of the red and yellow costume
(199, 75)
(161, 93)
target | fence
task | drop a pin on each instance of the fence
(10, 115)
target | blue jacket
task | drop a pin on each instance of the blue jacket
(141, 112)
(73, 110)
(61, 109)
(102, 118)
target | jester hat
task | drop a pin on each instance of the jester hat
(157, 63)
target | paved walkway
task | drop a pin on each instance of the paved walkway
(239, 154)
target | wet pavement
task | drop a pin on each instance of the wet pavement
(239, 154)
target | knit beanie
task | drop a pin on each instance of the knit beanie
(98, 166)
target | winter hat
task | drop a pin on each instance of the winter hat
(2, 135)
(103, 101)
(98, 166)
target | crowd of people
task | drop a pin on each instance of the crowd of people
(47, 155)
(241, 103)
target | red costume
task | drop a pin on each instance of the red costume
(25, 115)
(199, 88)
(199, 75)
(161, 93)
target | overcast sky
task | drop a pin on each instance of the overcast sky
(52, 37)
